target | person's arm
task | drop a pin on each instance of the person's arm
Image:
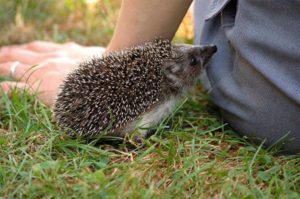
(143, 20)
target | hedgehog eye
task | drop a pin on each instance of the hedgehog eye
(193, 61)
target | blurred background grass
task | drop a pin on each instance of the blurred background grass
(87, 22)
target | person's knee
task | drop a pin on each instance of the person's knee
(280, 131)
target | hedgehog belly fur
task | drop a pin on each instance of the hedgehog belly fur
(157, 113)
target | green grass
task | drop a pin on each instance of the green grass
(197, 157)
(193, 154)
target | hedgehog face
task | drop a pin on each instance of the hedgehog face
(187, 62)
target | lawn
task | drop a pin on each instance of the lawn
(193, 154)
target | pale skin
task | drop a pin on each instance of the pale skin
(42, 66)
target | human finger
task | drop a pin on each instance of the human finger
(15, 70)
(28, 57)
(69, 49)
(45, 46)
(21, 55)
(32, 58)
(40, 46)
(8, 86)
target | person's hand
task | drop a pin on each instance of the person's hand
(41, 66)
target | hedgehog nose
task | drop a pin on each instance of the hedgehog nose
(210, 49)
(207, 51)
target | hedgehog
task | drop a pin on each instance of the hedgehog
(132, 89)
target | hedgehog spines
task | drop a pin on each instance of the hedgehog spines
(112, 90)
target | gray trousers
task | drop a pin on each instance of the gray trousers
(255, 76)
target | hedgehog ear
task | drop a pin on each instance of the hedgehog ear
(166, 70)
(170, 68)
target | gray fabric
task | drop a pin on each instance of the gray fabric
(255, 76)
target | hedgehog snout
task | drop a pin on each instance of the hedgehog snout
(206, 52)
